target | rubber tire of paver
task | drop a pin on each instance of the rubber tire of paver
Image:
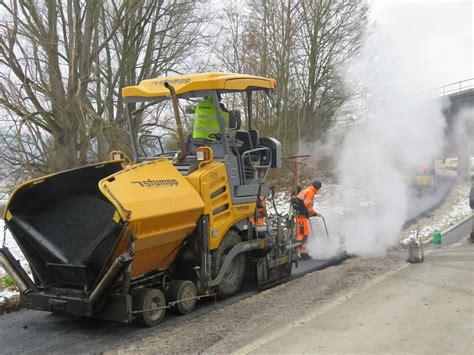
(146, 298)
(233, 278)
(182, 289)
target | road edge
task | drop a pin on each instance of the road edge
(429, 239)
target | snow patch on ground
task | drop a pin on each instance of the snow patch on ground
(5, 236)
(7, 294)
(327, 202)
(11, 244)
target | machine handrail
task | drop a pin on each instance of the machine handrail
(258, 167)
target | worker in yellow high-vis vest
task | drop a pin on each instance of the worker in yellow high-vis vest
(206, 125)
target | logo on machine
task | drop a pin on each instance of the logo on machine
(173, 81)
(157, 183)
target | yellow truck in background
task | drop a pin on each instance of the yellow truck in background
(422, 181)
(423, 178)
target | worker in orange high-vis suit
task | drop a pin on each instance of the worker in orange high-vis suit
(304, 209)
(261, 211)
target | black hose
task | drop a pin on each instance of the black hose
(272, 188)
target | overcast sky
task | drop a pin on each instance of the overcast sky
(432, 39)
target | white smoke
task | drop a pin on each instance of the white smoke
(324, 247)
(374, 157)
(396, 130)
(463, 138)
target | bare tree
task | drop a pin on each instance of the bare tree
(64, 62)
(302, 44)
(331, 33)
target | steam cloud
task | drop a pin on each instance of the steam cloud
(372, 165)
(373, 159)
(464, 136)
(399, 131)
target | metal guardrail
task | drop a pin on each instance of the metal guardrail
(450, 89)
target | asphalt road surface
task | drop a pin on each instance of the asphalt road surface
(419, 308)
(36, 331)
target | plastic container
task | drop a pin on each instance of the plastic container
(436, 237)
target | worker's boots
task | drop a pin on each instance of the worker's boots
(303, 250)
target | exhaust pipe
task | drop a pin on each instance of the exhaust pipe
(179, 125)
(16, 272)
(118, 265)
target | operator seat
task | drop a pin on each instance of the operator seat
(243, 141)
(254, 136)
(248, 139)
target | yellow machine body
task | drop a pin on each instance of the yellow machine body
(212, 184)
(161, 208)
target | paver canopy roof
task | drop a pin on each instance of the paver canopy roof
(198, 82)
